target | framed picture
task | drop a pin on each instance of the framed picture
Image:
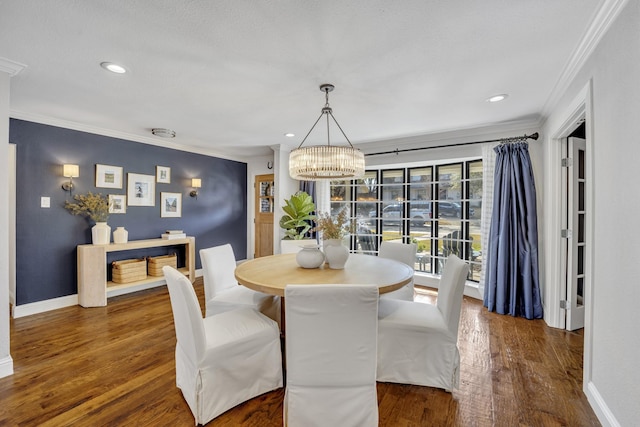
(170, 205)
(163, 174)
(141, 190)
(117, 203)
(108, 176)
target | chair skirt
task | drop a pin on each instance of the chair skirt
(243, 360)
(415, 346)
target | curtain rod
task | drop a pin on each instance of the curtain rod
(533, 136)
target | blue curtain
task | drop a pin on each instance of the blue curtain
(511, 280)
(309, 187)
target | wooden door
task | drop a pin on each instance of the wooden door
(264, 191)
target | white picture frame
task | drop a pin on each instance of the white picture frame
(117, 204)
(141, 190)
(170, 205)
(108, 176)
(163, 175)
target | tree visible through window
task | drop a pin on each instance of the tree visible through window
(438, 207)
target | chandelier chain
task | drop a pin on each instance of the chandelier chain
(326, 161)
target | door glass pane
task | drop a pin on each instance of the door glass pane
(580, 228)
(340, 195)
(366, 189)
(420, 214)
(581, 196)
(366, 196)
(580, 259)
(580, 291)
(581, 164)
(449, 181)
(475, 217)
(392, 204)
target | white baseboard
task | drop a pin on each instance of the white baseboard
(42, 306)
(6, 366)
(604, 414)
(129, 290)
(69, 300)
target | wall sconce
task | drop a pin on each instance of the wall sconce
(70, 171)
(195, 183)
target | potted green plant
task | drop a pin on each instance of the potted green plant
(297, 220)
(95, 206)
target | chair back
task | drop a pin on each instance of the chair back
(450, 291)
(331, 346)
(218, 267)
(366, 239)
(187, 316)
(403, 252)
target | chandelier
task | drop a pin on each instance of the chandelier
(326, 161)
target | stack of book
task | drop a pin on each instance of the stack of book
(174, 234)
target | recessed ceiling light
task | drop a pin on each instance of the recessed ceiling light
(498, 98)
(163, 133)
(114, 68)
(289, 135)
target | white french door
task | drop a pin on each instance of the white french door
(576, 234)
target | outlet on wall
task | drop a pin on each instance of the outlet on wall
(45, 202)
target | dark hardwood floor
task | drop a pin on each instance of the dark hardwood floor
(114, 366)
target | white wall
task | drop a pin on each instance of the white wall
(6, 363)
(285, 187)
(612, 344)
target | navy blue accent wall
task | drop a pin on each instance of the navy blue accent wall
(46, 238)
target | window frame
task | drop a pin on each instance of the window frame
(432, 260)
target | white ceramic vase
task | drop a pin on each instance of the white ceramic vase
(310, 256)
(120, 235)
(101, 234)
(335, 253)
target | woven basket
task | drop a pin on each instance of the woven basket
(128, 270)
(155, 264)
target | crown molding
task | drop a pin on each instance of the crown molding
(45, 120)
(600, 24)
(11, 67)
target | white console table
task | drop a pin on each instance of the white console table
(92, 268)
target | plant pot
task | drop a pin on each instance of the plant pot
(101, 234)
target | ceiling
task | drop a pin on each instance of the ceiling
(233, 76)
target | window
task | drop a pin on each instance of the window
(436, 206)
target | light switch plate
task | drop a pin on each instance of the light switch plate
(45, 202)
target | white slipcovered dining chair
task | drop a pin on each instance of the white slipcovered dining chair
(221, 290)
(406, 254)
(418, 342)
(331, 333)
(223, 360)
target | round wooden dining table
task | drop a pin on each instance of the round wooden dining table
(271, 274)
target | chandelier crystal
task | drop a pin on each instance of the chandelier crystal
(326, 161)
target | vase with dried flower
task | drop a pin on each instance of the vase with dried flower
(94, 206)
(334, 230)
